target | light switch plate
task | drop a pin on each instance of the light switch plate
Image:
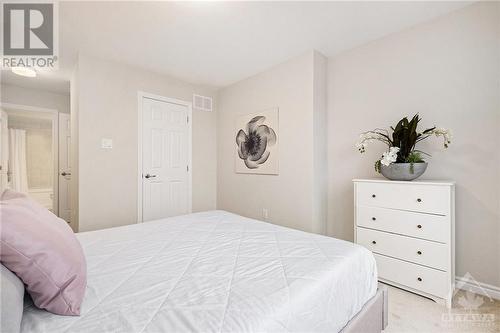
(106, 143)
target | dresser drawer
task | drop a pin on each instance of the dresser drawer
(421, 225)
(421, 278)
(419, 251)
(413, 197)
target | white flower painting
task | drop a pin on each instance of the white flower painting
(256, 143)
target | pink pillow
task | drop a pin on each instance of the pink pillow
(43, 251)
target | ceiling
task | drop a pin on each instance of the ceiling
(219, 43)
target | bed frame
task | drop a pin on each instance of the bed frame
(373, 317)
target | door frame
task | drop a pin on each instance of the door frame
(43, 113)
(61, 148)
(140, 96)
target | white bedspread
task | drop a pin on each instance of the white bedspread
(215, 272)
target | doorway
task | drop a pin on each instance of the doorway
(33, 151)
(164, 157)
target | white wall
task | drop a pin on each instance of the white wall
(107, 95)
(447, 70)
(320, 188)
(35, 97)
(289, 196)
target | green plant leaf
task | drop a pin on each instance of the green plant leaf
(429, 130)
(414, 157)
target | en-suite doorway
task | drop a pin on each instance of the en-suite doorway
(37, 156)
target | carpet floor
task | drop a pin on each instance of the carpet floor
(470, 312)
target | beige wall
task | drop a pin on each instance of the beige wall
(289, 196)
(39, 158)
(320, 188)
(35, 97)
(447, 70)
(107, 108)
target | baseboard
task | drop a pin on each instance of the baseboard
(477, 287)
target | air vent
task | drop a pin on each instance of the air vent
(202, 103)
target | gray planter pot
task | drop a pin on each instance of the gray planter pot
(402, 171)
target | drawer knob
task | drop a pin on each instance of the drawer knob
(419, 200)
(373, 195)
(374, 242)
(419, 252)
(419, 226)
(419, 279)
(374, 218)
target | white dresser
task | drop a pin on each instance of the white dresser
(410, 227)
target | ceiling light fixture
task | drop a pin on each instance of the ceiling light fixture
(24, 71)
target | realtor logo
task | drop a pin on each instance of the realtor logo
(29, 34)
(470, 296)
(474, 294)
(28, 29)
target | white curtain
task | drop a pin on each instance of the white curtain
(17, 160)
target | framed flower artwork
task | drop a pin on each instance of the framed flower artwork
(256, 143)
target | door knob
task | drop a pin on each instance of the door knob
(147, 176)
(64, 173)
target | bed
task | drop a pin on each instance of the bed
(220, 272)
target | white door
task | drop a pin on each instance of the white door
(64, 167)
(165, 159)
(4, 150)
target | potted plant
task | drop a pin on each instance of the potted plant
(402, 161)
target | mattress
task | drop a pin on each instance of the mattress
(215, 272)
